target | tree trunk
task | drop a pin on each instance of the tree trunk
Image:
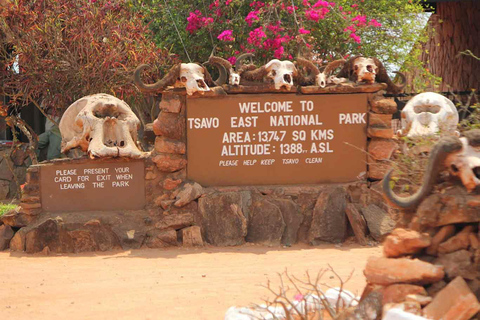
(456, 29)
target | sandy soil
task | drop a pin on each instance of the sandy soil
(175, 284)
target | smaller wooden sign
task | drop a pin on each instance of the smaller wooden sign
(93, 185)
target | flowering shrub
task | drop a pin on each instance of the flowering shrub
(283, 29)
(69, 49)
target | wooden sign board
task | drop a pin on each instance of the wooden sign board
(101, 185)
(273, 139)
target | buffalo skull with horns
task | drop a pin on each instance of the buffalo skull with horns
(460, 156)
(234, 75)
(282, 73)
(317, 77)
(370, 70)
(191, 76)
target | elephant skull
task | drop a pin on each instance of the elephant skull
(427, 114)
(102, 126)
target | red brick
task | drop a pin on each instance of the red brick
(382, 149)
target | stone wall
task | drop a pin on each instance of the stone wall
(182, 212)
(13, 168)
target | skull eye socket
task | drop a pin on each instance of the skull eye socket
(287, 78)
(476, 172)
(355, 67)
(274, 73)
(183, 79)
(369, 68)
(201, 84)
(454, 168)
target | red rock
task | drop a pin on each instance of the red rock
(150, 175)
(396, 293)
(443, 234)
(385, 105)
(171, 103)
(458, 242)
(169, 162)
(162, 239)
(404, 242)
(192, 237)
(389, 271)
(169, 184)
(378, 169)
(423, 300)
(412, 307)
(379, 120)
(170, 125)
(454, 302)
(377, 132)
(458, 263)
(357, 222)
(165, 145)
(474, 243)
(382, 149)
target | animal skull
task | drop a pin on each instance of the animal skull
(466, 165)
(234, 78)
(365, 69)
(281, 72)
(102, 126)
(429, 113)
(192, 77)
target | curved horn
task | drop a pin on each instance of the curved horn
(256, 74)
(333, 65)
(238, 63)
(312, 69)
(382, 76)
(222, 74)
(435, 165)
(404, 80)
(169, 78)
(217, 60)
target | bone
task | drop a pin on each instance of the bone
(102, 126)
(429, 114)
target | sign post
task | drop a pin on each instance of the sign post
(277, 139)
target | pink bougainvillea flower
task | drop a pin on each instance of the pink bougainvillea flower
(354, 5)
(232, 60)
(228, 2)
(278, 53)
(321, 4)
(207, 21)
(255, 36)
(226, 35)
(316, 14)
(291, 9)
(194, 21)
(350, 28)
(303, 31)
(361, 20)
(252, 16)
(374, 23)
(355, 38)
(214, 4)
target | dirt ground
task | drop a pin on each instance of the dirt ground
(176, 284)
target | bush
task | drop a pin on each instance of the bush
(277, 29)
(69, 49)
